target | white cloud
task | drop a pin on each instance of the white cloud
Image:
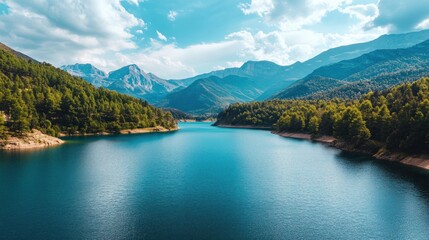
(171, 61)
(68, 31)
(401, 15)
(291, 14)
(363, 12)
(423, 25)
(260, 7)
(161, 36)
(99, 32)
(282, 47)
(172, 15)
(287, 47)
(136, 2)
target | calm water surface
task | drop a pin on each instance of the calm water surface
(204, 182)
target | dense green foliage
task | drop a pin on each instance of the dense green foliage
(40, 96)
(398, 117)
(258, 114)
(2, 127)
(179, 115)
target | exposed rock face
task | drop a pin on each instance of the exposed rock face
(32, 140)
(420, 161)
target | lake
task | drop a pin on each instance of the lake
(204, 182)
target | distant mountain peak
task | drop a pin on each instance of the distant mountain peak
(88, 72)
(133, 66)
(377, 70)
(82, 69)
(253, 64)
(131, 69)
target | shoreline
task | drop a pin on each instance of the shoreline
(30, 141)
(124, 132)
(148, 130)
(36, 140)
(420, 161)
(305, 136)
(243, 127)
(194, 120)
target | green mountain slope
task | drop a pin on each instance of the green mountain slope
(334, 55)
(38, 95)
(298, 70)
(271, 79)
(377, 70)
(268, 78)
(16, 53)
(212, 94)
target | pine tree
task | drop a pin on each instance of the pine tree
(313, 125)
(2, 127)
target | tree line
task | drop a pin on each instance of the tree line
(40, 96)
(397, 118)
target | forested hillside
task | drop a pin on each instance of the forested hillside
(211, 92)
(38, 95)
(211, 95)
(398, 118)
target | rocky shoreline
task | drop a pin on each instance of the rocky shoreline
(419, 160)
(148, 130)
(30, 141)
(124, 131)
(38, 140)
(242, 126)
(323, 139)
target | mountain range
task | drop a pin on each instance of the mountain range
(378, 70)
(129, 80)
(212, 94)
(256, 80)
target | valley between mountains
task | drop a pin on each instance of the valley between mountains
(347, 72)
(345, 92)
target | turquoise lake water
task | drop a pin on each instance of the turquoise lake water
(204, 182)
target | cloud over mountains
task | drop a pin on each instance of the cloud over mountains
(111, 33)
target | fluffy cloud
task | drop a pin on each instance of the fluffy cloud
(363, 12)
(287, 47)
(172, 15)
(171, 61)
(424, 24)
(282, 47)
(135, 2)
(401, 15)
(64, 31)
(291, 14)
(161, 36)
(100, 32)
(260, 7)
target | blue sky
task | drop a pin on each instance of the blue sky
(181, 38)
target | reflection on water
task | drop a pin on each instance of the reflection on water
(204, 182)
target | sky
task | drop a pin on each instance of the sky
(181, 38)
